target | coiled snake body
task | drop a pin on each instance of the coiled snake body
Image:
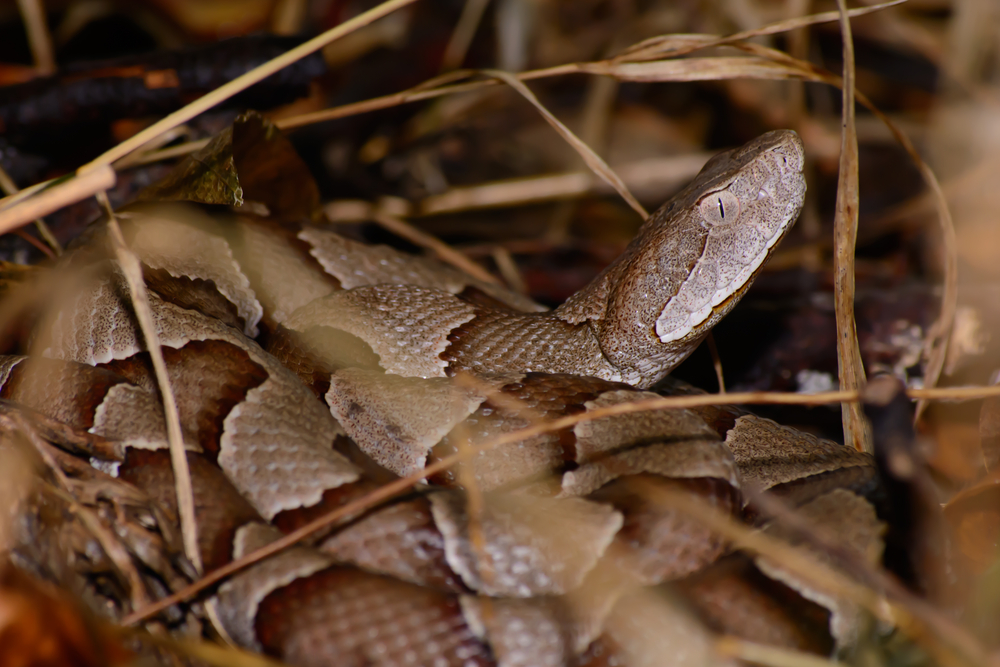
(370, 363)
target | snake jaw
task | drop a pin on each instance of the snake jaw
(743, 222)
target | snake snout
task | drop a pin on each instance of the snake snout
(789, 154)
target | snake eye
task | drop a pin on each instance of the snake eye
(720, 208)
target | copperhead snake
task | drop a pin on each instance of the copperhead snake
(368, 363)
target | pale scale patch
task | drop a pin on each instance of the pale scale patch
(397, 420)
(277, 448)
(240, 597)
(652, 629)
(534, 545)
(682, 460)
(291, 283)
(600, 436)
(672, 443)
(133, 417)
(522, 633)
(852, 522)
(768, 454)
(356, 265)
(94, 326)
(406, 326)
(185, 250)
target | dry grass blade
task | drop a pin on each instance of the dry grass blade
(695, 69)
(26, 206)
(140, 158)
(716, 362)
(653, 173)
(593, 160)
(30, 191)
(474, 504)
(44, 249)
(941, 332)
(178, 458)
(850, 369)
(673, 46)
(436, 87)
(35, 24)
(508, 269)
(154, 146)
(461, 37)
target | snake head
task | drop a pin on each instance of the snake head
(696, 256)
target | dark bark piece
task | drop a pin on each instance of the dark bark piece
(157, 83)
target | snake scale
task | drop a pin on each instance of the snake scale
(308, 368)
